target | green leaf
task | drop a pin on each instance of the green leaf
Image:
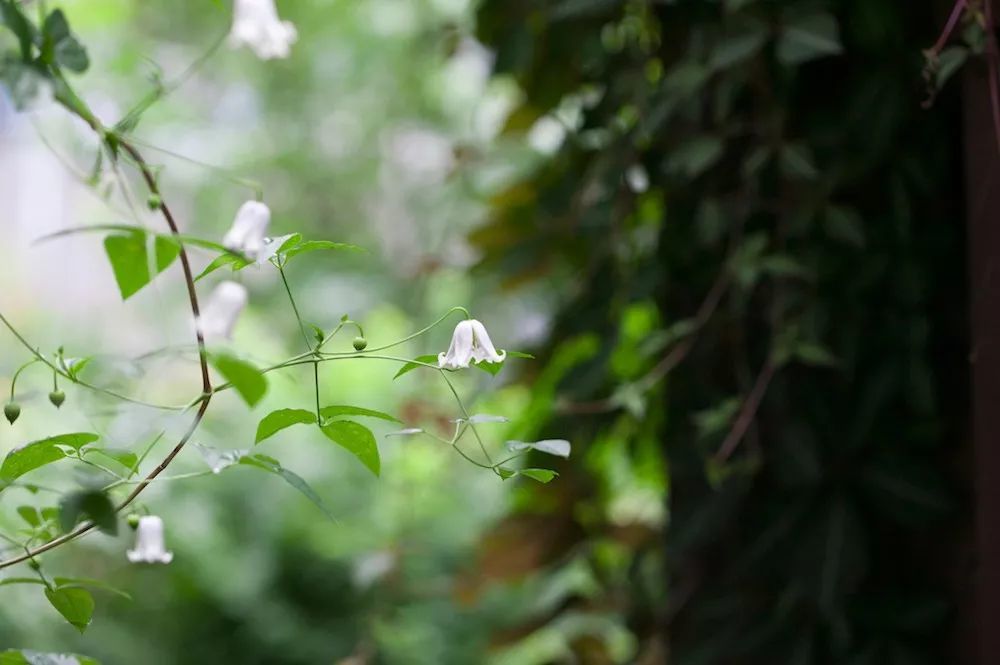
(29, 657)
(506, 473)
(808, 37)
(811, 353)
(520, 354)
(273, 466)
(845, 225)
(278, 420)
(129, 259)
(694, 156)
(541, 475)
(429, 359)
(75, 604)
(126, 458)
(490, 368)
(30, 515)
(557, 447)
(313, 245)
(20, 580)
(91, 503)
(234, 261)
(246, 379)
(39, 453)
(60, 44)
(738, 45)
(335, 410)
(87, 582)
(18, 23)
(357, 439)
(797, 162)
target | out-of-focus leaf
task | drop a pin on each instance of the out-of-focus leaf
(278, 420)
(273, 466)
(92, 504)
(29, 657)
(695, 156)
(805, 38)
(246, 379)
(61, 45)
(126, 458)
(357, 439)
(845, 225)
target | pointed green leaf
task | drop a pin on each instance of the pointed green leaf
(129, 259)
(87, 582)
(313, 245)
(333, 411)
(75, 604)
(278, 420)
(415, 363)
(541, 475)
(506, 473)
(234, 261)
(39, 453)
(357, 439)
(126, 458)
(246, 379)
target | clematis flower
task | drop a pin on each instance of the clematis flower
(470, 343)
(246, 235)
(256, 24)
(218, 317)
(149, 546)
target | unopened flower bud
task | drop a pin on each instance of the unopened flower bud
(34, 565)
(133, 521)
(154, 202)
(11, 410)
(57, 397)
(360, 343)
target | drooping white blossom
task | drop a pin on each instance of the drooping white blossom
(149, 544)
(470, 343)
(256, 24)
(247, 235)
(221, 310)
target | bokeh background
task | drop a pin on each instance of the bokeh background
(717, 224)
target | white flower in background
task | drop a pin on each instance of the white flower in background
(247, 234)
(547, 135)
(224, 305)
(469, 343)
(256, 24)
(149, 545)
(637, 178)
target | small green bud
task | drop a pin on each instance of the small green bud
(34, 565)
(57, 397)
(12, 410)
(360, 343)
(154, 202)
(133, 520)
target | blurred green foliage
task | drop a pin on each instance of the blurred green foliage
(727, 226)
(753, 222)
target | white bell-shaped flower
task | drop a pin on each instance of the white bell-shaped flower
(248, 233)
(149, 545)
(221, 310)
(256, 24)
(470, 343)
